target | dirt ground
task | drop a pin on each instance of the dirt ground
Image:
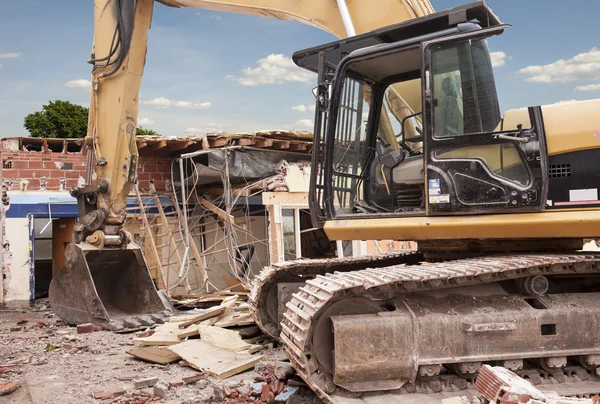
(97, 362)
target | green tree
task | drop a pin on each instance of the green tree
(58, 119)
(63, 119)
(145, 132)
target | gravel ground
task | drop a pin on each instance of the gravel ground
(88, 363)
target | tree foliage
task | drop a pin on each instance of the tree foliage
(58, 119)
(63, 119)
(145, 132)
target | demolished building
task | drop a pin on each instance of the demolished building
(244, 206)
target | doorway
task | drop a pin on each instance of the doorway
(50, 239)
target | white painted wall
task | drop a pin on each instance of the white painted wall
(17, 234)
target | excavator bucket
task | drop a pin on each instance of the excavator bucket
(108, 287)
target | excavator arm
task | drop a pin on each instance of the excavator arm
(105, 278)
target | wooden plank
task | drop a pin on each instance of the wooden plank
(179, 145)
(158, 145)
(263, 142)
(189, 332)
(209, 313)
(281, 144)
(246, 141)
(232, 318)
(164, 334)
(217, 362)
(141, 145)
(297, 146)
(169, 234)
(215, 209)
(218, 142)
(157, 256)
(223, 338)
(162, 356)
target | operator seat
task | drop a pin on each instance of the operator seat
(448, 122)
(448, 111)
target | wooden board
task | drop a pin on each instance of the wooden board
(233, 318)
(223, 338)
(188, 332)
(208, 313)
(164, 334)
(217, 362)
(161, 356)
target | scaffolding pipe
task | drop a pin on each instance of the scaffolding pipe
(185, 218)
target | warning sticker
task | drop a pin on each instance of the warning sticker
(442, 198)
(434, 187)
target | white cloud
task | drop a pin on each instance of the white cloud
(274, 69)
(145, 121)
(303, 108)
(162, 102)
(498, 58)
(0, 64)
(585, 66)
(10, 55)
(209, 128)
(589, 87)
(308, 123)
(3, 113)
(80, 83)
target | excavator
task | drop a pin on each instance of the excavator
(410, 143)
(105, 279)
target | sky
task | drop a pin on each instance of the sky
(210, 72)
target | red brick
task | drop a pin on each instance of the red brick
(25, 174)
(102, 395)
(10, 173)
(175, 384)
(52, 184)
(192, 379)
(73, 174)
(85, 328)
(159, 185)
(20, 164)
(149, 168)
(144, 185)
(7, 388)
(16, 328)
(56, 173)
(36, 164)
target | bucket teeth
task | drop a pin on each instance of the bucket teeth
(131, 323)
(158, 318)
(146, 320)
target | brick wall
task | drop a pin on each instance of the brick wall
(19, 165)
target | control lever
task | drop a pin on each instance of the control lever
(388, 157)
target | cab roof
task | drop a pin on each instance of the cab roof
(478, 12)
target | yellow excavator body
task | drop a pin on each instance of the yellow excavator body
(105, 279)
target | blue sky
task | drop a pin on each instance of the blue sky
(195, 79)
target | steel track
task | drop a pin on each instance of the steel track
(320, 291)
(302, 270)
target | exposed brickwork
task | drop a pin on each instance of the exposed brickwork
(18, 165)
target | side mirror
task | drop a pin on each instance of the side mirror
(322, 93)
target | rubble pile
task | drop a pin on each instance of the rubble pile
(44, 360)
(498, 385)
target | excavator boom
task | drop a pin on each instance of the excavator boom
(105, 278)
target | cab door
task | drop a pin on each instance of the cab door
(476, 161)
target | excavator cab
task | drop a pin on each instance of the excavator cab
(461, 159)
